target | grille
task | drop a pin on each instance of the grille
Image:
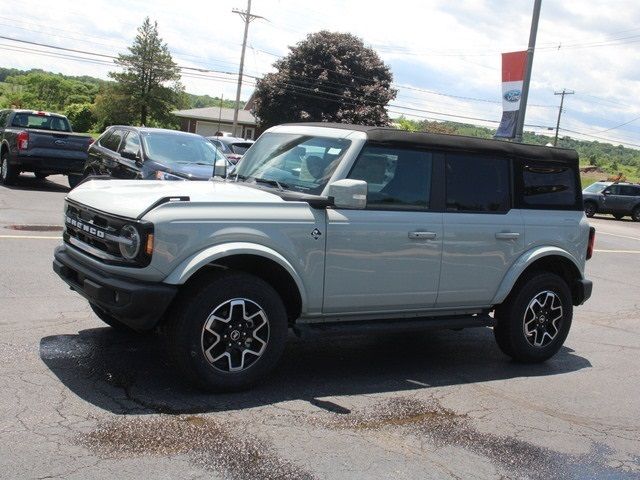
(95, 233)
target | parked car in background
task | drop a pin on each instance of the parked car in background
(617, 199)
(233, 147)
(42, 143)
(154, 154)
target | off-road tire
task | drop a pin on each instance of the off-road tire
(109, 320)
(618, 216)
(635, 215)
(40, 176)
(590, 209)
(509, 329)
(184, 329)
(8, 173)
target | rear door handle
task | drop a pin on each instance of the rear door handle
(422, 235)
(507, 235)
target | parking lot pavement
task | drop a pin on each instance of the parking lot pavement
(79, 400)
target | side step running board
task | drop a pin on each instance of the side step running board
(367, 327)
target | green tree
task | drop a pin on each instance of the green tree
(81, 116)
(329, 77)
(113, 107)
(150, 77)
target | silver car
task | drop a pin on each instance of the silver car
(333, 229)
(232, 147)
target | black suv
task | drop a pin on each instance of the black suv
(618, 199)
(153, 154)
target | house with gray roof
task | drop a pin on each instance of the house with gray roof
(209, 120)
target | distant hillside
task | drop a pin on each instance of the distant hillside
(612, 159)
(92, 86)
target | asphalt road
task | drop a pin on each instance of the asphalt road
(79, 400)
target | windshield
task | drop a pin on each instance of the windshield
(172, 148)
(41, 121)
(595, 187)
(298, 162)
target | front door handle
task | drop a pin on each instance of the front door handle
(422, 235)
(507, 235)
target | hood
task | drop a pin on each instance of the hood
(131, 198)
(190, 171)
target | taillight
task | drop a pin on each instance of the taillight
(23, 140)
(592, 242)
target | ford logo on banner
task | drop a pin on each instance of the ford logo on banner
(512, 96)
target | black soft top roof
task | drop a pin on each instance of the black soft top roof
(455, 142)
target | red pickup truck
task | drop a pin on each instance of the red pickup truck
(42, 143)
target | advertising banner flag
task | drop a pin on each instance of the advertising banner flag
(513, 64)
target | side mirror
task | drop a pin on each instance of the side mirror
(347, 193)
(220, 168)
(606, 192)
(130, 154)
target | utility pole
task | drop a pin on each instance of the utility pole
(562, 93)
(527, 70)
(248, 17)
(220, 113)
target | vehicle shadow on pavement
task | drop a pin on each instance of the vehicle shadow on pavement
(24, 182)
(129, 374)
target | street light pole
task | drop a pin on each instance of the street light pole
(527, 70)
(247, 17)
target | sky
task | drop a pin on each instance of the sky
(444, 55)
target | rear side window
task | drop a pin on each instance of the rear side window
(477, 183)
(629, 190)
(397, 179)
(112, 140)
(548, 185)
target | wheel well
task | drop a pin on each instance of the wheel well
(269, 271)
(561, 266)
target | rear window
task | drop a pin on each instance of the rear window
(477, 183)
(41, 122)
(548, 185)
(240, 148)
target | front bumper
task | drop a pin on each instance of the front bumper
(137, 304)
(582, 291)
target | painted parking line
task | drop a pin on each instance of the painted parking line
(31, 237)
(598, 232)
(617, 251)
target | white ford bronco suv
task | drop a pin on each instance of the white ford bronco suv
(327, 228)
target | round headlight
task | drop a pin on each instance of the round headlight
(130, 247)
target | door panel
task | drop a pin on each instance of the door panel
(478, 250)
(372, 264)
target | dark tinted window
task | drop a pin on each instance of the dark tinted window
(397, 179)
(613, 190)
(3, 117)
(548, 185)
(629, 190)
(476, 183)
(112, 140)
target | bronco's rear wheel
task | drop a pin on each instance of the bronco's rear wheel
(533, 323)
(227, 331)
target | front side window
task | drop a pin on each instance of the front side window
(298, 162)
(477, 183)
(397, 179)
(132, 143)
(178, 148)
(613, 190)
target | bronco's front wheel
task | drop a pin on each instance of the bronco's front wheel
(533, 323)
(227, 331)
